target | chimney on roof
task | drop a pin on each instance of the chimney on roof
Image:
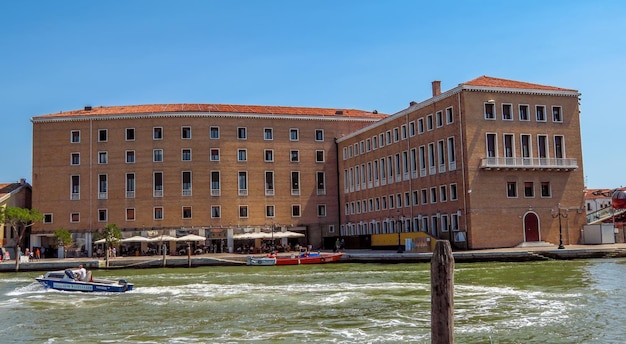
(412, 103)
(88, 107)
(22, 181)
(375, 112)
(436, 88)
(339, 112)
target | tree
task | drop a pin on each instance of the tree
(111, 235)
(64, 238)
(19, 219)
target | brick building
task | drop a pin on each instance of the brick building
(489, 163)
(212, 170)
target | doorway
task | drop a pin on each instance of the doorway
(531, 227)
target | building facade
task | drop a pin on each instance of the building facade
(13, 195)
(489, 163)
(212, 170)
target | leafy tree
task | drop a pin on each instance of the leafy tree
(19, 219)
(64, 238)
(112, 236)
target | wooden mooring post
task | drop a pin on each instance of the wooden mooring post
(442, 294)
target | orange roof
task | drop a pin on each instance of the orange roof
(488, 81)
(6, 188)
(219, 108)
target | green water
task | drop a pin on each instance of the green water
(537, 302)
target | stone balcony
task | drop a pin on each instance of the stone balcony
(550, 164)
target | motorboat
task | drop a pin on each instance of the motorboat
(261, 261)
(308, 258)
(67, 280)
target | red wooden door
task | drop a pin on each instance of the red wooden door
(531, 227)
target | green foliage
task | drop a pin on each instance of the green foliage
(19, 218)
(64, 237)
(111, 234)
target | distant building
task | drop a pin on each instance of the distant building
(489, 163)
(13, 195)
(213, 170)
(486, 164)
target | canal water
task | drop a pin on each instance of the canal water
(536, 302)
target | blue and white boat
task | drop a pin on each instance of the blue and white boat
(66, 280)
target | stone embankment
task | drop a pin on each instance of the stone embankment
(350, 256)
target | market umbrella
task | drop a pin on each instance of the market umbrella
(136, 239)
(162, 238)
(101, 241)
(191, 237)
(288, 234)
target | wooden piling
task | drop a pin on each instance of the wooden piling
(442, 294)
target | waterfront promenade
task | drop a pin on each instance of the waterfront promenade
(532, 253)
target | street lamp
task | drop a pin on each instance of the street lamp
(400, 221)
(559, 215)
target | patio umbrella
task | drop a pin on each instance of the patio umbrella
(162, 238)
(101, 241)
(191, 237)
(288, 234)
(136, 239)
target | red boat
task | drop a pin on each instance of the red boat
(308, 258)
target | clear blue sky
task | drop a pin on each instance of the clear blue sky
(62, 55)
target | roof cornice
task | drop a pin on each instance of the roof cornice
(529, 91)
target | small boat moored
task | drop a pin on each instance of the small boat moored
(66, 280)
(261, 261)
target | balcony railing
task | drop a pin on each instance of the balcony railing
(130, 194)
(528, 163)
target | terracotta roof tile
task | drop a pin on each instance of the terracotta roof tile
(6, 188)
(251, 109)
(488, 81)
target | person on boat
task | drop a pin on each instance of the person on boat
(82, 273)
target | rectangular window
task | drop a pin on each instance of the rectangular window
(319, 134)
(509, 149)
(102, 135)
(319, 156)
(214, 133)
(557, 116)
(268, 134)
(75, 188)
(186, 212)
(559, 151)
(295, 183)
(374, 142)
(433, 194)
(321, 210)
(186, 154)
(47, 218)
(158, 184)
(491, 146)
(507, 112)
(242, 155)
(451, 153)
(157, 155)
(269, 211)
(75, 160)
(215, 183)
(242, 183)
(269, 155)
(102, 186)
(130, 185)
(102, 215)
(320, 181)
(490, 111)
(242, 133)
(511, 189)
(449, 116)
(453, 192)
(74, 217)
(185, 132)
(396, 135)
(545, 189)
(429, 122)
(158, 213)
(130, 134)
(295, 210)
(420, 126)
(186, 183)
(130, 214)
(269, 183)
(443, 193)
(130, 156)
(216, 211)
(157, 133)
(215, 154)
(294, 135)
(526, 153)
(388, 137)
(381, 140)
(102, 158)
(75, 136)
(524, 113)
(243, 211)
(529, 189)
(540, 111)
(294, 156)
(439, 119)
(542, 145)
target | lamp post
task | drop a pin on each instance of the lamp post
(400, 220)
(559, 215)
